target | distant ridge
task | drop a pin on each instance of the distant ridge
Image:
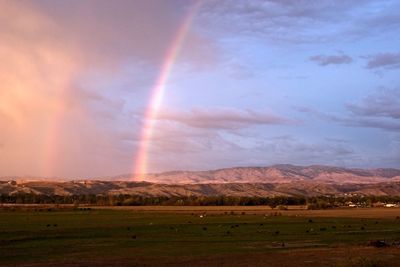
(276, 180)
(146, 189)
(282, 173)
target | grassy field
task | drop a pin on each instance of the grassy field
(198, 237)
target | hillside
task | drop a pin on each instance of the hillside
(278, 180)
(307, 188)
(273, 174)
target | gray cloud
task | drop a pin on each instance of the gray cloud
(323, 60)
(318, 114)
(224, 118)
(383, 103)
(290, 149)
(178, 139)
(99, 31)
(61, 72)
(196, 148)
(388, 125)
(336, 140)
(72, 72)
(299, 22)
(213, 150)
(286, 145)
(356, 121)
(379, 110)
(384, 60)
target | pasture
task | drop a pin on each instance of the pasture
(198, 236)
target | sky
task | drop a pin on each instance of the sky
(99, 88)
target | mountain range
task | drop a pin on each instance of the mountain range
(277, 180)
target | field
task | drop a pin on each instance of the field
(198, 236)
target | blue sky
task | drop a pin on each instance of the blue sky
(255, 83)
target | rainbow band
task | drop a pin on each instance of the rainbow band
(141, 161)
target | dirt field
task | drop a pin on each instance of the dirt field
(197, 236)
(332, 257)
(260, 210)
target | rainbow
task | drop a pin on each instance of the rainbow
(141, 161)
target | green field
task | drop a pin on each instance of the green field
(132, 238)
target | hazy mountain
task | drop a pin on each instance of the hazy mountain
(305, 188)
(287, 180)
(274, 174)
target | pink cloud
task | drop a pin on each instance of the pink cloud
(223, 118)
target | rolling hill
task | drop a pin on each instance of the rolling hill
(277, 180)
(273, 174)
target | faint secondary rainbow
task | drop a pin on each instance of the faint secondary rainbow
(157, 94)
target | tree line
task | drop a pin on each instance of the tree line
(317, 202)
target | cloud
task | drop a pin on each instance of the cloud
(73, 73)
(223, 118)
(178, 146)
(240, 72)
(294, 150)
(319, 114)
(380, 110)
(388, 125)
(383, 103)
(105, 33)
(60, 71)
(288, 144)
(299, 22)
(184, 140)
(384, 60)
(356, 121)
(323, 60)
(210, 150)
